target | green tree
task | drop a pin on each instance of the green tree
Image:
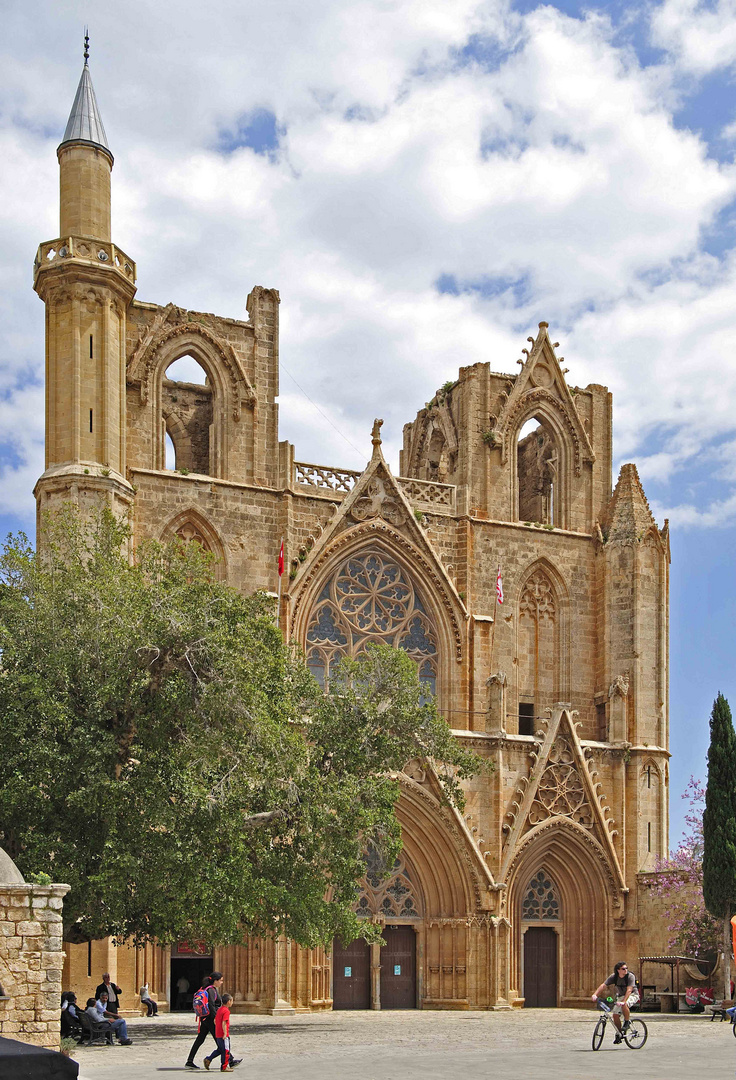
(719, 826)
(172, 760)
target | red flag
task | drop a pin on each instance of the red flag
(281, 559)
(499, 587)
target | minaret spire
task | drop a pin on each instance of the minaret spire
(85, 123)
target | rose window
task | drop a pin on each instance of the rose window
(370, 599)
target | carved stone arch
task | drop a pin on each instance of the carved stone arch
(174, 426)
(192, 525)
(226, 380)
(587, 891)
(538, 574)
(389, 543)
(449, 889)
(552, 413)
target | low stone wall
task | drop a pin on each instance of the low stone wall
(31, 961)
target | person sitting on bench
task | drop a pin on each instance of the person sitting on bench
(97, 1010)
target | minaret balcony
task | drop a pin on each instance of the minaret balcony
(82, 249)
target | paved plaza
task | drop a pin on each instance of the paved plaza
(555, 1044)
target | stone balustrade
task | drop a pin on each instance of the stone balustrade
(82, 248)
(340, 481)
(422, 494)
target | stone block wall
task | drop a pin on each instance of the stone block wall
(31, 960)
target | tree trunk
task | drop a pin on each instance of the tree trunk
(727, 954)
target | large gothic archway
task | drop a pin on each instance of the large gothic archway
(582, 884)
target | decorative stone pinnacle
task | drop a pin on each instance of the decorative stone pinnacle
(375, 432)
(543, 325)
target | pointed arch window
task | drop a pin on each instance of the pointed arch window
(538, 649)
(393, 897)
(540, 902)
(187, 416)
(371, 598)
(537, 471)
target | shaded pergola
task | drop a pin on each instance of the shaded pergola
(673, 962)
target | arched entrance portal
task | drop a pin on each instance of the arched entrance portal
(540, 915)
(560, 896)
(433, 927)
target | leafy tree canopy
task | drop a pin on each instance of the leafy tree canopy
(172, 760)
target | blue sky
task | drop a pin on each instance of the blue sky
(424, 182)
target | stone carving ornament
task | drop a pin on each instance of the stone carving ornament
(561, 791)
(377, 502)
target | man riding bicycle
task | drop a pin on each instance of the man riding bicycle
(624, 982)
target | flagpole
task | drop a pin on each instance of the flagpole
(495, 612)
(281, 574)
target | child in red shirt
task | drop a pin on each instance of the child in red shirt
(222, 1035)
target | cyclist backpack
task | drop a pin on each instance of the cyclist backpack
(201, 1003)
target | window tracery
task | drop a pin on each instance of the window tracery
(561, 792)
(540, 901)
(370, 599)
(394, 897)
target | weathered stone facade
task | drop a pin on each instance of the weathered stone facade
(31, 957)
(533, 893)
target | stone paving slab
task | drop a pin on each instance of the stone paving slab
(412, 1045)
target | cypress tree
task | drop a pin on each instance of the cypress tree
(719, 826)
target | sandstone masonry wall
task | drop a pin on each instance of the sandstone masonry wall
(31, 961)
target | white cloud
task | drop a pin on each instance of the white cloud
(557, 165)
(700, 36)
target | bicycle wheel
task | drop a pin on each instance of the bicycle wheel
(733, 1027)
(636, 1036)
(600, 1030)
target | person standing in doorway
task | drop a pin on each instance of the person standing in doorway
(182, 989)
(212, 985)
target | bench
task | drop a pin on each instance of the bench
(94, 1034)
(719, 1009)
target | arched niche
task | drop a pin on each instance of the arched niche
(542, 648)
(190, 526)
(585, 886)
(651, 804)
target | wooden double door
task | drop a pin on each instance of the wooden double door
(351, 971)
(540, 968)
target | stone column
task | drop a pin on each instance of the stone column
(31, 960)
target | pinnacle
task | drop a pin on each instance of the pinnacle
(628, 516)
(85, 123)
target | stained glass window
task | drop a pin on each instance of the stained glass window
(540, 899)
(370, 598)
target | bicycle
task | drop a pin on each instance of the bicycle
(634, 1037)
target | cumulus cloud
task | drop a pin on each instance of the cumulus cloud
(700, 36)
(527, 161)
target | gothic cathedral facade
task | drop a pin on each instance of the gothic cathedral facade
(530, 895)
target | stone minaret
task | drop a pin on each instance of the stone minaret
(87, 284)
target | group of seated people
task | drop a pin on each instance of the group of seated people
(100, 1015)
